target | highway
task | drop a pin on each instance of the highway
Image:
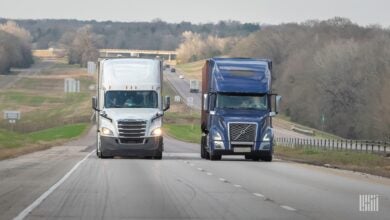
(70, 182)
(54, 184)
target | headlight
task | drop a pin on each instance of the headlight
(217, 136)
(267, 136)
(157, 132)
(106, 131)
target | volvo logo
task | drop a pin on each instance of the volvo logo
(242, 132)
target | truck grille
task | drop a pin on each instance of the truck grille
(241, 132)
(131, 131)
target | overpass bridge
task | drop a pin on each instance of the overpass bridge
(168, 56)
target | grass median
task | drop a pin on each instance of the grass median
(342, 159)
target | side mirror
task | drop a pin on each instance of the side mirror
(277, 103)
(205, 102)
(94, 103)
(167, 103)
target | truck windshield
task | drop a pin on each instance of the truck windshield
(131, 99)
(239, 101)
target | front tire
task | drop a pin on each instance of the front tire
(202, 148)
(266, 157)
(99, 151)
(215, 156)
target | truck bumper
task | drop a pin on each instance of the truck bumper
(231, 152)
(110, 146)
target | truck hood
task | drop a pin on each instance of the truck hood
(131, 113)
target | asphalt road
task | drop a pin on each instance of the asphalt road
(182, 86)
(181, 186)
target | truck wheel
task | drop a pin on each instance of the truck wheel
(266, 157)
(255, 158)
(98, 154)
(248, 157)
(202, 150)
(158, 157)
(215, 157)
(98, 145)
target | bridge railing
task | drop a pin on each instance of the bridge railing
(366, 146)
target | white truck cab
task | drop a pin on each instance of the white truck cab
(129, 108)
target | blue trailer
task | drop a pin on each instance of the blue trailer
(237, 108)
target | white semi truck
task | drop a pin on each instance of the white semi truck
(129, 108)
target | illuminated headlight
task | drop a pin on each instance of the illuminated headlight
(157, 132)
(217, 136)
(267, 136)
(106, 131)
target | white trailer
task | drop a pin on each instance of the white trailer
(194, 86)
(129, 108)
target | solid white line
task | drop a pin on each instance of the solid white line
(259, 195)
(288, 208)
(38, 201)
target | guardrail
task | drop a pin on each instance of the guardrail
(334, 144)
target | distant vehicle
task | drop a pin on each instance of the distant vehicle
(181, 77)
(194, 86)
(166, 66)
(173, 70)
(129, 108)
(236, 116)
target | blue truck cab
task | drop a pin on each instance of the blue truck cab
(237, 108)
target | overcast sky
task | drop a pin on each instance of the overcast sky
(363, 12)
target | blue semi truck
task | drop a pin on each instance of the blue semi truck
(237, 108)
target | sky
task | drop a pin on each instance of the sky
(362, 12)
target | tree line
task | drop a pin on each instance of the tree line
(15, 47)
(334, 75)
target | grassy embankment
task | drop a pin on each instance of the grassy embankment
(355, 161)
(362, 162)
(48, 115)
(180, 121)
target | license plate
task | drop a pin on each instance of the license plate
(241, 149)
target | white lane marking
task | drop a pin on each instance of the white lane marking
(210, 174)
(200, 169)
(191, 164)
(288, 208)
(222, 180)
(237, 185)
(38, 201)
(259, 195)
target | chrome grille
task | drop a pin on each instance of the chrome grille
(131, 131)
(242, 132)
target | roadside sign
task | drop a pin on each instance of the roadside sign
(91, 66)
(177, 98)
(12, 115)
(71, 85)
